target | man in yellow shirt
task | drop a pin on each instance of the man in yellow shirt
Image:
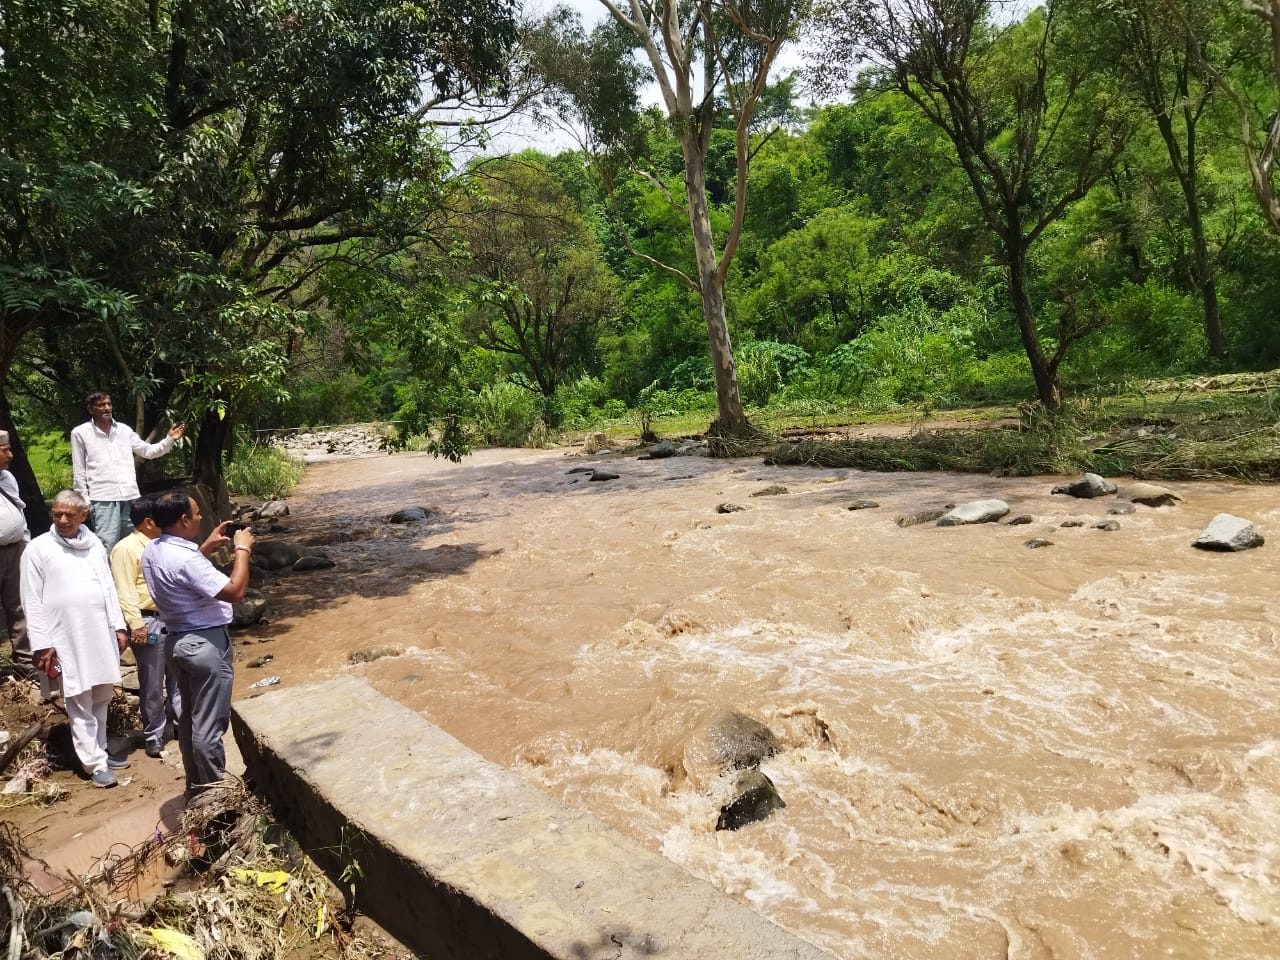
(155, 677)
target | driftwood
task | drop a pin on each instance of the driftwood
(40, 728)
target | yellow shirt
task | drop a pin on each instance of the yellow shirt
(126, 571)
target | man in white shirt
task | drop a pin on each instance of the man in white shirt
(102, 469)
(13, 539)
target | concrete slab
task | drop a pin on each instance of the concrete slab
(461, 858)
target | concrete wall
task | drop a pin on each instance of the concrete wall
(461, 858)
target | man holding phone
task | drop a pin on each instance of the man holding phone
(194, 599)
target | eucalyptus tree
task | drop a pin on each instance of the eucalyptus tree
(1034, 125)
(711, 61)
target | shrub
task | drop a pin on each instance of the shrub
(50, 457)
(506, 413)
(263, 472)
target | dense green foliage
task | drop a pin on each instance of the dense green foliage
(253, 219)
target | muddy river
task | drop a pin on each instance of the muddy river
(990, 751)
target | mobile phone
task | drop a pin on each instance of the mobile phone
(231, 529)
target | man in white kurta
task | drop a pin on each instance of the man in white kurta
(75, 627)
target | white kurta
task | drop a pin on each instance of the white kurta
(72, 606)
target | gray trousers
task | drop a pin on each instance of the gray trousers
(111, 521)
(11, 603)
(159, 699)
(201, 661)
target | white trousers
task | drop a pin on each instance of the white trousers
(87, 712)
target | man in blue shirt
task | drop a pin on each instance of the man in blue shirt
(194, 600)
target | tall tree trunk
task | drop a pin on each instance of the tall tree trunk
(732, 421)
(1048, 386)
(206, 468)
(1202, 270)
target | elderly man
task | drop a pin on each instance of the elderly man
(13, 539)
(102, 469)
(146, 629)
(194, 599)
(76, 630)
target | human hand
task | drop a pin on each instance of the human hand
(138, 636)
(47, 660)
(176, 431)
(122, 639)
(244, 538)
(217, 538)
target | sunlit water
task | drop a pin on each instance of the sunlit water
(1069, 752)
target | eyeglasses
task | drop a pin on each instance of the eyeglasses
(66, 514)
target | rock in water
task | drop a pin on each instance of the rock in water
(773, 490)
(370, 654)
(920, 516)
(729, 508)
(726, 739)
(976, 511)
(250, 610)
(863, 505)
(602, 475)
(1228, 533)
(1087, 487)
(754, 798)
(1110, 526)
(1148, 494)
(409, 515)
(275, 554)
(312, 562)
(659, 451)
(1037, 542)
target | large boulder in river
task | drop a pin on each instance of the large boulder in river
(1087, 487)
(275, 554)
(409, 515)
(725, 739)
(250, 610)
(1149, 494)
(976, 511)
(1228, 533)
(752, 798)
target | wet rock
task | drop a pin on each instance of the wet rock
(273, 510)
(1021, 520)
(312, 562)
(1121, 510)
(1037, 542)
(725, 739)
(727, 507)
(409, 515)
(1087, 487)
(754, 798)
(602, 475)
(370, 654)
(976, 511)
(1148, 494)
(863, 505)
(250, 610)
(659, 451)
(921, 516)
(773, 490)
(275, 554)
(1229, 533)
(1110, 526)
(573, 470)
(1071, 523)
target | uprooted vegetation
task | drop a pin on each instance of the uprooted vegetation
(245, 891)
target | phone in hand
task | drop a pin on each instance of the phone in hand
(231, 529)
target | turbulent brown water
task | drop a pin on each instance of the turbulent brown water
(1069, 752)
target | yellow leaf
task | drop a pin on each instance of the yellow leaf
(175, 942)
(274, 880)
(319, 920)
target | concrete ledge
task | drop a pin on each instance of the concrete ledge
(461, 858)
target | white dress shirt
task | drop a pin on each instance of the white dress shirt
(102, 463)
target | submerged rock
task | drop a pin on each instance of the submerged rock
(727, 507)
(1037, 542)
(370, 654)
(275, 554)
(602, 475)
(1110, 526)
(659, 451)
(409, 515)
(773, 490)
(921, 516)
(726, 739)
(1229, 533)
(1021, 520)
(1121, 510)
(754, 798)
(863, 505)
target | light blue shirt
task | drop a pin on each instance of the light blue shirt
(183, 584)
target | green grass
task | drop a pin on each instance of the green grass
(263, 472)
(50, 457)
